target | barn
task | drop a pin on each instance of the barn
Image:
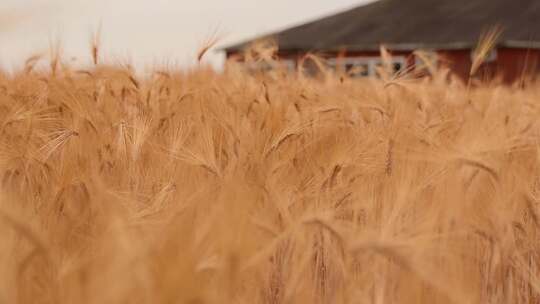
(448, 29)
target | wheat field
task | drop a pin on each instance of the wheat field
(234, 187)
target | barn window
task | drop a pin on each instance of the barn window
(397, 64)
(357, 70)
(265, 66)
(365, 66)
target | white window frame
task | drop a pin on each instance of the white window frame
(371, 61)
(290, 64)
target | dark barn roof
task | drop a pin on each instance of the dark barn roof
(414, 24)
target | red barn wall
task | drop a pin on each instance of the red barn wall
(518, 63)
(458, 61)
(511, 64)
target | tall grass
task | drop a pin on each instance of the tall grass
(233, 187)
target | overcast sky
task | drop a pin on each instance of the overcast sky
(147, 31)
